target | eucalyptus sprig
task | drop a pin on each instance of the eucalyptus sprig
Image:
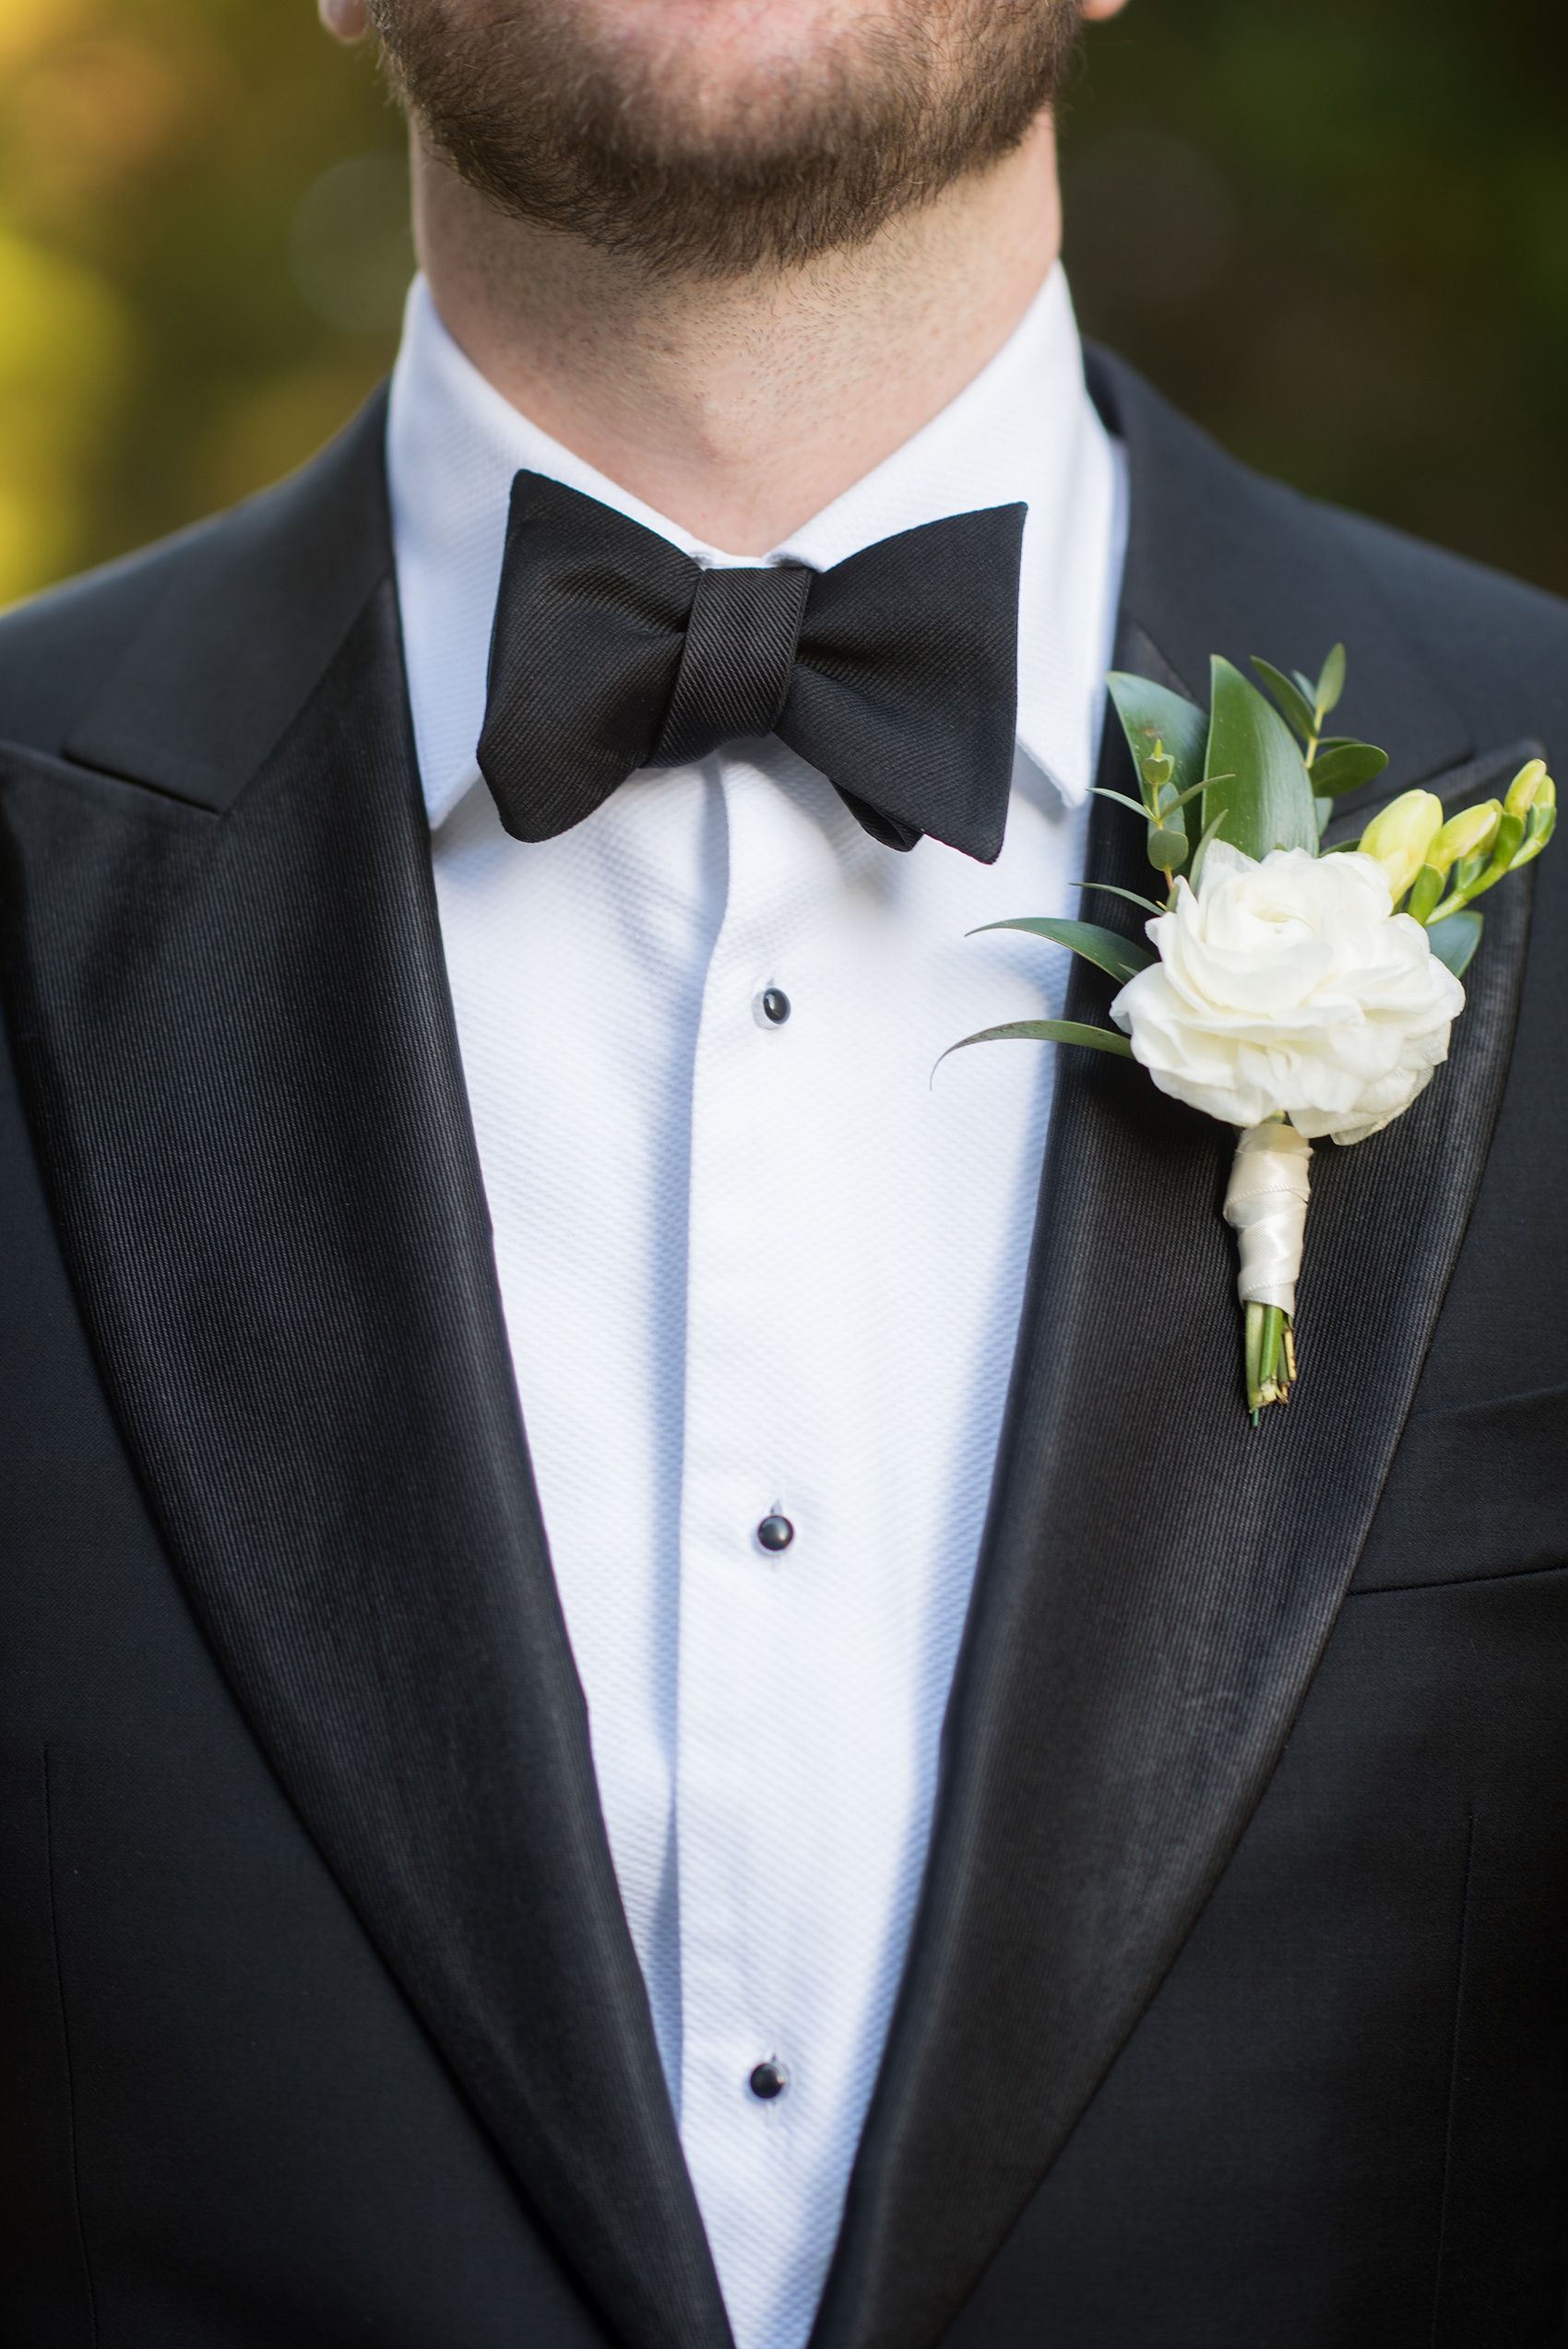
(1336, 763)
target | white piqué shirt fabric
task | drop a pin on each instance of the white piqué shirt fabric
(753, 1269)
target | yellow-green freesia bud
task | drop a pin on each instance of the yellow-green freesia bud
(1401, 837)
(1464, 834)
(1524, 789)
(1539, 824)
(1426, 893)
(1543, 821)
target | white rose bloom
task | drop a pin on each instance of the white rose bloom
(1292, 985)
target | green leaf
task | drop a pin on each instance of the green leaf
(1149, 715)
(1109, 889)
(1201, 851)
(1122, 958)
(1122, 800)
(1331, 684)
(1298, 710)
(1307, 688)
(1050, 1031)
(1454, 940)
(1268, 797)
(1346, 767)
(1322, 809)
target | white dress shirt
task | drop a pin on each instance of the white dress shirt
(753, 1268)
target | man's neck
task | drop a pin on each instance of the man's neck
(740, 409)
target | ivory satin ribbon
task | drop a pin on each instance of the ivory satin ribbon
(1266, 1204)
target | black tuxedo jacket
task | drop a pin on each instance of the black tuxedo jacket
(1235, 2011)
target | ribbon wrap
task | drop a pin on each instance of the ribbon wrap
(1266, 1204)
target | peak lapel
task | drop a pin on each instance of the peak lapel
(1158, 1581)
(238, 1050)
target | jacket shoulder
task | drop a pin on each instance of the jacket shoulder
(57, 650)
(1491, 636)
(253, 586)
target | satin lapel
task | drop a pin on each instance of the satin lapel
(241, 1066)
(1158, 1581)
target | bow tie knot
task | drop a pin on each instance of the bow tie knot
(895, 673)
(738, 660)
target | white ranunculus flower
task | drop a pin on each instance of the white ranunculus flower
(1292, 985)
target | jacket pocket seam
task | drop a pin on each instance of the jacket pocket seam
(1518, 1398)
(1459, 1582)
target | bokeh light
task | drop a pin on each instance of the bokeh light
(164, 348)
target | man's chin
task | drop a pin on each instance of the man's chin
(718, 81)
(717, 137)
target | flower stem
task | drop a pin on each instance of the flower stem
(1253, 1347)
(1270, 1357)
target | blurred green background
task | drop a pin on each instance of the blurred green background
(1335, 231)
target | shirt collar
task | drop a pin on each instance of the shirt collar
(1025, 428)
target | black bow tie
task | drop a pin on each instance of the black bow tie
(895, 673)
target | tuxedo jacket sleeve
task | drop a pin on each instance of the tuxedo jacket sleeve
(1235, 2007)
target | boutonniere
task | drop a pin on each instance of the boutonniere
(1294, 992)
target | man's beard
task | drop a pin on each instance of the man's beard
(634, 149)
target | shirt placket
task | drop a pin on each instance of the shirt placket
(751, 1556)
